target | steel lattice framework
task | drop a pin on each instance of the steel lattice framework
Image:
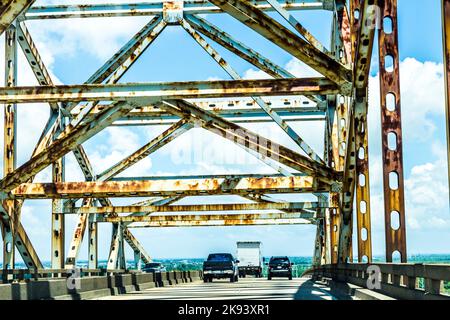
(339, 97)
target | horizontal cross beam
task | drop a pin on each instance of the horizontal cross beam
(287, 206)
(168, 90)
(221, 223)
(168, 187)
(155, 8)
(211, 217)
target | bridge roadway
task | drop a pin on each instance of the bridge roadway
(246, 288)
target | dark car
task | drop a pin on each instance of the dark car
(154, 267)
(279, 267)
(220, 266)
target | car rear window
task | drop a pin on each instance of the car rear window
(219, 257)
(279, 260)
(152, 265)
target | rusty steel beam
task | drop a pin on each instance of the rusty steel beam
(10, 148)
(364, 44)
(13, 233)
(251, 141)
(129, 53)
(391, 135)
(92, 242)
(168, 187)
(357, 116)
(69, 139)
(170, 90)
(234, 75)
(116, 257)
(210, 217)
(155, 8)
(287, 40)
(363, 213)
(112, 71)
(345, 33)
(58, 219)
(34, 59)
(285, 206)
(163, 139)
(297, 26)
(10, 10)
(446, 49)
(241, 50)
(136, 246)
(236, 111)
(220, 223)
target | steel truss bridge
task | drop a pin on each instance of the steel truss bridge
(338, 97)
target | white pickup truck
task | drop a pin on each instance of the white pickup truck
(250, 258)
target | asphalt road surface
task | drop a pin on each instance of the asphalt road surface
(246, 288)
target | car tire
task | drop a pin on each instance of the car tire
(290, 276)
(269, 277)
(236, 279)
(232, 279)
(205, 280)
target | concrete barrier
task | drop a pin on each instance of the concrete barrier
(93, 287)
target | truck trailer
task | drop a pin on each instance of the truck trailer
(250, 258)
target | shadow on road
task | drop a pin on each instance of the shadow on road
(310, 291)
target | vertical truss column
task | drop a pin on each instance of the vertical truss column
(333, 213)
(93, 242)
(10, 144)
(343, 119)
(137, 260)
(446, 46)
(362, 181)
(116, 258)
(363, 217)
(391, 135)
(58, 219)
(77, 237)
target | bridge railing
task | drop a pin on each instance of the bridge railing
(10, 275)
(400, 281)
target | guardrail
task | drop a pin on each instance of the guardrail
(35, 274)
(86, 283)
(400, 281)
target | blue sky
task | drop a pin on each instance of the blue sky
(74, 49)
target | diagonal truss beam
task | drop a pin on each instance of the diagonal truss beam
(240, 49)
(112, 70)
(297, 25)
(252, 141)
(34, 59)
(287, 40)
(10, 10)
(68, 140)
(163, 139)
(136, 245)
(233, 74)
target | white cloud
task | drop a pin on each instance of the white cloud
(426, 187)
(422, 96)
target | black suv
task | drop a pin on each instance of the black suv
(279, 267)
(220, 266)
